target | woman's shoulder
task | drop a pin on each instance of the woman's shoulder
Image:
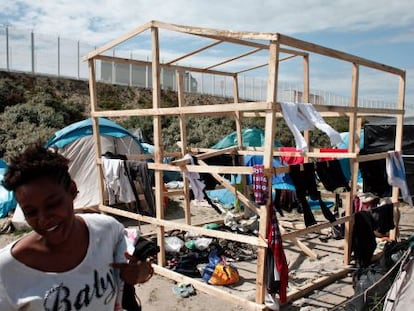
(97, 220)
(6, 258)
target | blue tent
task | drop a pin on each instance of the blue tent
(7, 200)
(345, 165)
(252, 137)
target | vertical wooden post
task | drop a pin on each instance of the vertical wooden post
(306, 86)
(399, 131)
(305, 96)
(239, 130)
(158, 148)
(183, 134)
(238, 115)
(95, 128)
(267, 161)
(353, 146)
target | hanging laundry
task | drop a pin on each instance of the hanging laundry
(316, 119)
(305, 184)
(363, 238)
(291, 160)
(331, 175)
(331, 150)
(383, 218)
(303, 116)
(304, 179)
(197, 186)
(277, 271)
(260, 187)
(396, 174)
(117, 184)
(138, 171)
(365, 201)
(279, 181)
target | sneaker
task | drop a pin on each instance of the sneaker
(183, 290)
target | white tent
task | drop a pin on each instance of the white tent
(76, 143)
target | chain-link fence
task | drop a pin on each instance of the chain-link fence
(26, 51)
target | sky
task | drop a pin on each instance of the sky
(380, 30)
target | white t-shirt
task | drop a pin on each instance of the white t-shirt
(92, 285)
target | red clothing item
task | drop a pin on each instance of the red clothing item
(291, 160)
(260, 188)
(275, 245)
(330, 150)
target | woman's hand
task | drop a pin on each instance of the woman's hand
(134, 271)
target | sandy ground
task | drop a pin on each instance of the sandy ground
(157, 294)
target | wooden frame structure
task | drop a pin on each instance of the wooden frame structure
(278, 48)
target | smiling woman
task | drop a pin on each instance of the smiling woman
(68, 261)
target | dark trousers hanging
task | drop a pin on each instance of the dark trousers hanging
(331, 175)
(301, 180)
(305, 184)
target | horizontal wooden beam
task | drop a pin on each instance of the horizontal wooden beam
(318, 283)
(372, 157)
(234, 58)
(189, 110)
(216, 152)
(216, 42)
(136, 62)
(315, 228)
(118, 41)
(319, 49)
(252, 240)
(245, 170)
(264, 65)
(240, 37)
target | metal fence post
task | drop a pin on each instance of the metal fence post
(33, 51)
(113, 76)
(130, 70)
(78, 60)
(58, 55)
(7, 49)
(146, 75)
(244, 88)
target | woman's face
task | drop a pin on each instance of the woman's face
(48, 208)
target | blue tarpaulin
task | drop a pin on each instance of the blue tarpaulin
(7, 200)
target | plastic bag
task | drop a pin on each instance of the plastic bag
(219, 272)
(173, 244)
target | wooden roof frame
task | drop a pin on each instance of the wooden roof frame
(242, 38)
(268, 109)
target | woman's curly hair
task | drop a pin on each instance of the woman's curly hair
(35, 162)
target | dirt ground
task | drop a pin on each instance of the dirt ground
(157, 294)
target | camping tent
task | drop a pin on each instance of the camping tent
(252, 137)
(76, 143)
(7, 201)
(345, 165)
